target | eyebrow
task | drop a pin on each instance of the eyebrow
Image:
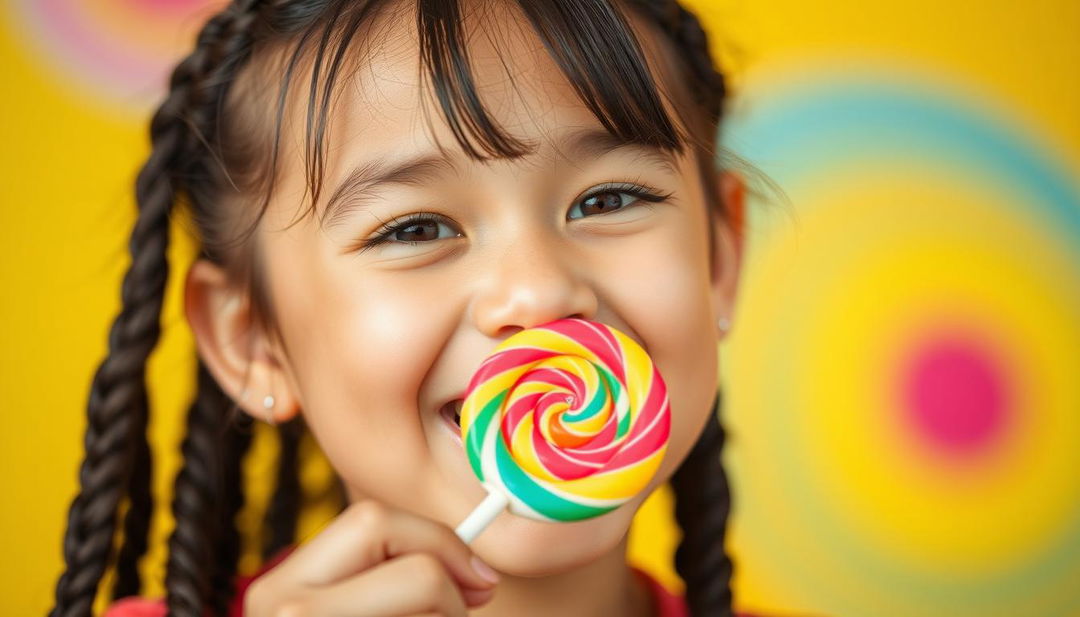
(367, 178)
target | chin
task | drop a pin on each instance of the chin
(519, 546)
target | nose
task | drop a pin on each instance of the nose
(534, 281)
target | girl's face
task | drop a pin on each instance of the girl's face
(377, 337)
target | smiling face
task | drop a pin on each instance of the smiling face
(384, 317)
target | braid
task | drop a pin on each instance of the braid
(702, 505)
(137, 519)
(284, 509)
(237, 442)
(117, 408)
(197, 501)
(204, 545)
(117, 412)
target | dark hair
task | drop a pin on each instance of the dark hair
(209, 151)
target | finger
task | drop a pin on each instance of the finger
(368, 533)
(406, 585)
(477, 597)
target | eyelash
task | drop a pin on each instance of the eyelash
(384, 233)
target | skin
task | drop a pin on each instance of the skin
(374, 342)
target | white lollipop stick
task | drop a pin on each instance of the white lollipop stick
(481, 517)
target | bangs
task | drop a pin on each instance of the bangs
(591, 41)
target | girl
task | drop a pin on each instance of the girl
(469, 169)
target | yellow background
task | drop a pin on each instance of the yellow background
(69, 160)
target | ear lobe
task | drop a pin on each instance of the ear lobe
(236, 353)
(728, 255)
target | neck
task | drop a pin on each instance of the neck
(605, 586)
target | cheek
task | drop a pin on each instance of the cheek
(360, 350)
(666, 301)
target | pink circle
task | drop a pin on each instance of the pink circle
(955, 396)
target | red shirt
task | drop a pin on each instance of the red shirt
(667, 604)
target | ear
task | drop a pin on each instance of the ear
(239, 355)
(728, 255)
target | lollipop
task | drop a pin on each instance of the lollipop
(563, 422)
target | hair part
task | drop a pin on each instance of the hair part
(211, 149)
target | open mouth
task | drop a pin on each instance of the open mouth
(451, 414)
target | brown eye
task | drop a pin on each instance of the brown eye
(420, 228)
(418, 232)
(601, 203)
(612, 199)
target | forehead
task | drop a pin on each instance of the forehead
(384, 105)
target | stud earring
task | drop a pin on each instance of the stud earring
(723, 324)
(268, 405)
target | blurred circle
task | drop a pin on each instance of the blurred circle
(118, 52)
(905, 371)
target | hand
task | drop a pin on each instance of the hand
(373, 560)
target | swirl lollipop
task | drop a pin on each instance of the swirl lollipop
(563, 422)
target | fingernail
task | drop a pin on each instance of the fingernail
(484, 570)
